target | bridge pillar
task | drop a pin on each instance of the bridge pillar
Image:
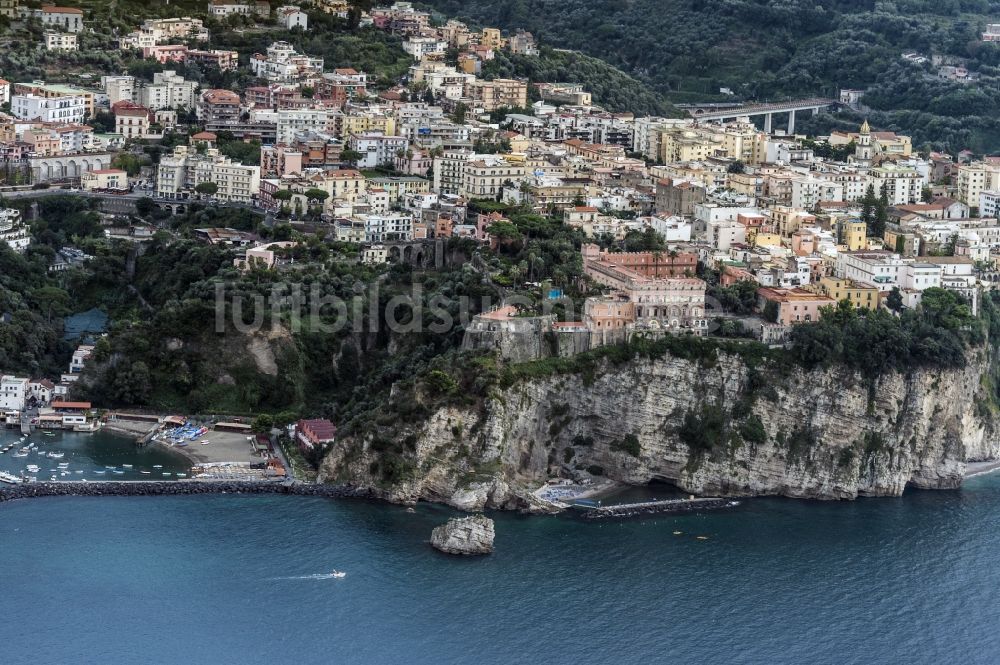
(791, 122)
(767, 123)
(815, 111)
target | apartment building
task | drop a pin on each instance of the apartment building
(60, 41)
(180, 172)
(68, 109)
(484, 178)
(498, 93)
(168, 91)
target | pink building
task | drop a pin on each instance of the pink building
(794, 305)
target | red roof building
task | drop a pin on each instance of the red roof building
(315, 432)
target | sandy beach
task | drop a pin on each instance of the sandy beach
(981, 468)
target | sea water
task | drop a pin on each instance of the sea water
(248, 579)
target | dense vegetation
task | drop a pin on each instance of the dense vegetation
(610, 87)
(765, 49)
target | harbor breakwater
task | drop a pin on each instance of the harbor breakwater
(175, 488)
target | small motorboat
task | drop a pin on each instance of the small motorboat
(126, 466)
(337, 574)
(100, 473)
(166, 473)
(182, 475)
(157, 466)
(56, 455)
(145, 473)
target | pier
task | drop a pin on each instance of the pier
(655, 507)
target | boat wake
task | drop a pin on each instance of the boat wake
(317, 576)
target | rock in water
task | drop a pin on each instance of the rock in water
(464, 535)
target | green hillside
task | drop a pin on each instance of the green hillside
(768, 49)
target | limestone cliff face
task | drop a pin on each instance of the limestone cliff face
(723, 429)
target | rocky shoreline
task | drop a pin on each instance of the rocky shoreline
(175, 488)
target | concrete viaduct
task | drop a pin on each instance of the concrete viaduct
(712, 113)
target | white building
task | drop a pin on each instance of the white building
(920, 276)
(79, 359)
(882, 269)
(69, 19)
(60, 41)
(809, 190)
(418, 47)
(66, 109)
(119, 88)
(178, 175)
(282, 64)
(377, 149)
(989, 204)
(13, 392)
(290, 17)
(673, 229)
(292, 121)
(12, 231)
(168, 91)
(902, 185)
(388, 226)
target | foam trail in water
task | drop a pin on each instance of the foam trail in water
(317, 576)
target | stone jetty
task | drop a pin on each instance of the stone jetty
(174, 488)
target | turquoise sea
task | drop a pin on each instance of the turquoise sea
(98, 456)
(245, 579)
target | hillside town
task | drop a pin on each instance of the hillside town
(727, 200)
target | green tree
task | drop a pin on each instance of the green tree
(351, 157)
(50, 300)
(894, 300)
(262, 424)
(207, 188)
(145, 206)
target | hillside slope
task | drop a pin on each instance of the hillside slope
(765, 49)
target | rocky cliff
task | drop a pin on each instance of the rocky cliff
(724, 426)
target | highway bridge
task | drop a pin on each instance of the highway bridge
(722, 113)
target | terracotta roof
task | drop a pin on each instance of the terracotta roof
(204, 136)
(61, 10)
(70, 405)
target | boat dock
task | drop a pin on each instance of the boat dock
(655, 507)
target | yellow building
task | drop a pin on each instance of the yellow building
(492, 38)
(365, 124)
(861, 295)
(104, 179)
(767, 240)
(855, 236)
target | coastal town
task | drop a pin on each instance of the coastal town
(721, 222)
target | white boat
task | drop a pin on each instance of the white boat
(182, 475)
(57, 455)
(32, 468)
(157, 466)
(19, 454)
(145, 473)
(52, 477)
(338, 574)
(166, 473)
(100, 473)
(9, 478)
(117, 472)
(126, 466)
